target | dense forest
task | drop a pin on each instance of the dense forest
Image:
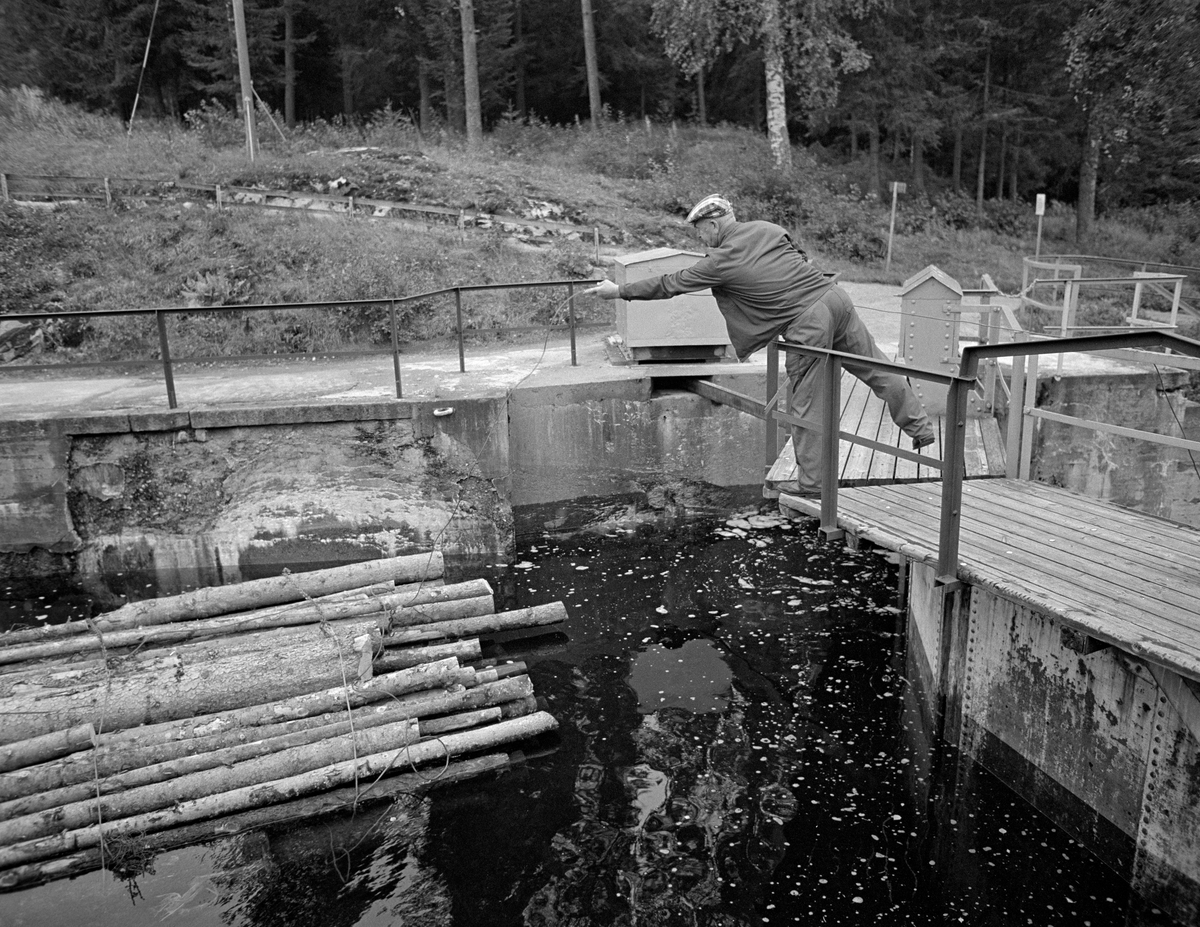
(1093, 102)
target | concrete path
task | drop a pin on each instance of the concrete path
(425, 376)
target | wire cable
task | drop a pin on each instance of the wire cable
(145, 60)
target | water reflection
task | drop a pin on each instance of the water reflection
(693, 676)
(739, 745)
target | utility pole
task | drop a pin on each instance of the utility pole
(589, 56)
(471, 75)
(243, 53)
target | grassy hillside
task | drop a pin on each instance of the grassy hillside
(632, 181)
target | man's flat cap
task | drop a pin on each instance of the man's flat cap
(710, 207)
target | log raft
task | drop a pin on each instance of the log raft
(179, 719)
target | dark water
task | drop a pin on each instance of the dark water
(738, 746)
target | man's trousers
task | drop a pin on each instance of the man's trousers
(833, 323)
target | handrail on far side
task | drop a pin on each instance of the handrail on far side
(952, 464)
(160, 314)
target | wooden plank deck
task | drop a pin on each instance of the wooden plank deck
(864, 414)
(1117, 575)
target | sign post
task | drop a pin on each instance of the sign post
(897, 189)
(1039, 210)
(243, 54)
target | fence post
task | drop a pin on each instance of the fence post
(952, 480)
(771, 450)
(168, 374)
(396, 352)
(571, 320)
(218, 191)
(1016, 414)
(596, 238)
(462, 357)
(4, 186)
(351, 205)
(107, 194)
(830, 441)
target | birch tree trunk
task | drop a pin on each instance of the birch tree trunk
(777, 131)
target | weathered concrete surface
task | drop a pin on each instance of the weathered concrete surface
(568, 443)
(1128, 471)
(33, 490)
(1103, 743)
(218, 505)
(166, 500)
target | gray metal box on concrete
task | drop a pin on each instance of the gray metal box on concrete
(689, 320)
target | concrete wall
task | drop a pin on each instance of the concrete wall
(136, 505)
(1131, 472)
(1103, 743)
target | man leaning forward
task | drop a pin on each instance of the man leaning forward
(765, 287)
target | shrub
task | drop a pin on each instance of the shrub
(216, 125)
(631, 151)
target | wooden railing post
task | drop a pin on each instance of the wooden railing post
(571, 320)
(396, 351)
(953, 466)
(831, 414)
(165, 348)
(462, 356)
(1016, 415)
(770, 426)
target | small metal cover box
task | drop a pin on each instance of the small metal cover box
(691, 320)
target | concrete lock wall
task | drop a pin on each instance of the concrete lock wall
(153, 504)
(1132, 472)
(1104, 743)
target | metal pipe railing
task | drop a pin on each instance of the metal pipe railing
(390, 303)
(953, 462)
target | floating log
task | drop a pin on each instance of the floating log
(536, 616)
(264, 793)
(51, 632)
(458, 600)
(125, 749)
(196, 686)
(485, 695)
(519, 707)
(399, 658)
(232, 825)
(46, 747)
(460, 721)
(272, 590)
(339, 745)
(339, 606)
(105, 771)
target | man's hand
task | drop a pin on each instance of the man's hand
(606, 290)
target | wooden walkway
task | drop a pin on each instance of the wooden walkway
(1119, 576)
(865, 415)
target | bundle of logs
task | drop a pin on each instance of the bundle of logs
(216, 711)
